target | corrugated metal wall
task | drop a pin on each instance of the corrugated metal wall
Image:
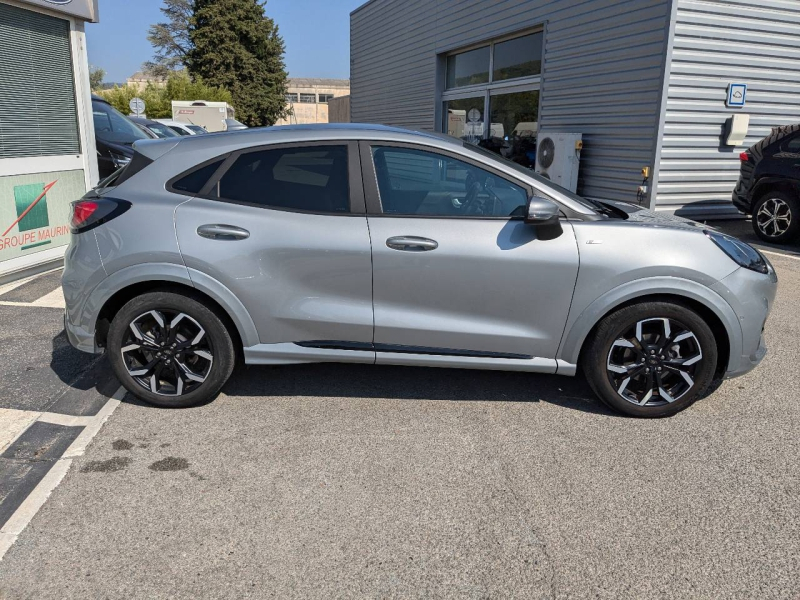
(603, 67)
(717, 42)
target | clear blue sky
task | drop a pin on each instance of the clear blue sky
(316, 32)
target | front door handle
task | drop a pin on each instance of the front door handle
(223, 232)
(411, 243)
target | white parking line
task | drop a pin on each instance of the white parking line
(13, 423)
(780, 254)
(36, 499)
(54, 299)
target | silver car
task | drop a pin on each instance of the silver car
(377, 245)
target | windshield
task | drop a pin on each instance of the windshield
(534, 175)
(161, 130)
(112, 127)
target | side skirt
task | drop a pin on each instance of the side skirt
(363, 353)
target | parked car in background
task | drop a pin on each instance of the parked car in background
(371, 244)
(114, 136)
(159, 130)
(183, 128)
(769, 186)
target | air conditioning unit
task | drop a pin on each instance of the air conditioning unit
(558, 156)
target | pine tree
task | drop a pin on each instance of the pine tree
(236, 46)
(170, 39)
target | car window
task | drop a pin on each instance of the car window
(194, 181)
(161, 130)
(793, 145)
(418, 182)
(112, 127)
(307, 178)
(178, 130)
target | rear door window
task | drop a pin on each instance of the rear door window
(311, 178)
(793, 145)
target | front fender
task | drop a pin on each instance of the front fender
(169, 273)
(578, 328)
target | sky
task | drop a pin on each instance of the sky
(316, 33)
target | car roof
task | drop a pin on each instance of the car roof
(229, 141)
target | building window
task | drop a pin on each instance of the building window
(308, 98)
(492, 96)
(291, 97)
(38, 111)
(468, 68)
(325, 98)
(518, 57)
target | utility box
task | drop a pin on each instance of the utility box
(558, 157)
(210, 115)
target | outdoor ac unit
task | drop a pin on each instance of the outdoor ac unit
(558, 156)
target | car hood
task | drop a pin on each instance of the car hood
(639, 215)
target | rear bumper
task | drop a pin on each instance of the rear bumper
(79, 338)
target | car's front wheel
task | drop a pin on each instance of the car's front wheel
(652, 359)
(170, 350)
(776, 218)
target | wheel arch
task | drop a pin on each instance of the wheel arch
(112, 294)
(708, 304)
(766, 185)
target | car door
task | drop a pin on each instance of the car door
(284, 228)
(456, 270)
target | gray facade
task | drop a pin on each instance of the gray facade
(716, 43)
(644, 81)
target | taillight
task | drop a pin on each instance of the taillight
(744, 157)
(88, 214)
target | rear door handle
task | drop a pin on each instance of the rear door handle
(223, 232)
(411, 243)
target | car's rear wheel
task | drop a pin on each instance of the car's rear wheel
(776, 218)
(652, 359)
(170, 350)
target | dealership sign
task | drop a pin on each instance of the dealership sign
(35, 211)
(83, 9)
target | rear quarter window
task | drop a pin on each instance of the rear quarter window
(197, 179)
(312, 179)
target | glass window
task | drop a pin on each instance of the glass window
(324, 98)
(516, 118)
(464, 119)
(291, 98)
(468, 68)
(308, 98)
(311, 178)
(417, 182)
(179, 130)
(195, 181)
(520, 57)
(111, 126)
(161, 130)
(793, 145)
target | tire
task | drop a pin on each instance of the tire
(622, 339)
(776, 218)
(192, 355)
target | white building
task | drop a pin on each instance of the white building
(47, 147)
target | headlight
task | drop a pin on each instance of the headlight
(742, 254)
(120, 160)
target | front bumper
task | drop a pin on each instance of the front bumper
(751, 295)
(79, 338)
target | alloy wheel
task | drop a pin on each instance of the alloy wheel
(654, 362)
(167, 352)
(774, 217)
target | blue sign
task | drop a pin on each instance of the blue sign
(737, 95)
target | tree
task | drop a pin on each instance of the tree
(96, 77)
(170, 39)
(236, 46)
(158, 100)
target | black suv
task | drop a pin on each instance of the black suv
(114, 135)
(769, 185)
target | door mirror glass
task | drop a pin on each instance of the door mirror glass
(541, 210)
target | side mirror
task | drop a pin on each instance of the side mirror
(541, 211)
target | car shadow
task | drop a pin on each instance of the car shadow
(333, 380)
(85, 373)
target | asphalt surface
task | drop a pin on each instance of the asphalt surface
(328, 481)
